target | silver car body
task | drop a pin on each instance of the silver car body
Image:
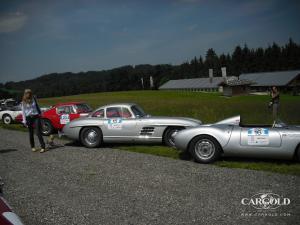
(9, 115)
(274, 141)
(133, 129)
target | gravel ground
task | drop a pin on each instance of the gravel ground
(74, 185)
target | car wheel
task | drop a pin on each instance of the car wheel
(91, 137)
(205, 149)
(47, 127)
(298, 153)
(7, 119)
(170, 134)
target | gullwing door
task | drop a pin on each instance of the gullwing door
(119, 123)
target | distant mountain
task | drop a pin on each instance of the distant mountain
(242, 60)
(118, 79)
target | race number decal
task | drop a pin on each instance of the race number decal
(115, 124)
(64, 119)
(258, 136)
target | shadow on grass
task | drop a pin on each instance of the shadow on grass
(271, 165)
(158, 150)
(142, 148)
(258, 160)
(3, 151)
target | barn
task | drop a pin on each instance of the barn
(234, 86)
(195, 84)
(285, 80)
(246, 83)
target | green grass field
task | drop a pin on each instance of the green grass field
(208, 107)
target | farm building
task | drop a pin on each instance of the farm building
(194, 84)
(249, 82)
(234, 86)
(285, 80)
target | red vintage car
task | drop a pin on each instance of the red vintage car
(19, 118)
(55, 118)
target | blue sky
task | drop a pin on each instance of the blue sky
(41, 37)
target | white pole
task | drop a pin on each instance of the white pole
(151, 82)
(142, 80)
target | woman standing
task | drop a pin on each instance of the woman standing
(275, 101)
(31, 118)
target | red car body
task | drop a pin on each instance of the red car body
(60, 114)
(19, 118)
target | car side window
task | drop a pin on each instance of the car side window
(125, 113)
(99, 113)
(60, 110)
(71, 109)
(113, 112)
(65, 110)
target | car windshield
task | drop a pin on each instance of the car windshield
(16, 108)
(11, 103)
(138, 111)
(279, 123)
(83, 108)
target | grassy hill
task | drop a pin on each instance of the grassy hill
(208, 107)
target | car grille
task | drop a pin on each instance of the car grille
(147, 131)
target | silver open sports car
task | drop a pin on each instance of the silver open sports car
(125, 122)
(229, 137)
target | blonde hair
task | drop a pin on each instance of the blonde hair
(27, 97)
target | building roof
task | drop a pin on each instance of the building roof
(192, 83)
(280, 78)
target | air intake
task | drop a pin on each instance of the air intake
(147, 131)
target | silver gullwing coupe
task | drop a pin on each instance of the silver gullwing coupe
(206, 143)
(125, 123)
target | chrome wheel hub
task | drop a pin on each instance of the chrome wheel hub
(7, 120)
(91, 137)
(204, 149)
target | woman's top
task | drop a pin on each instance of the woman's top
(29, 109)
(275, 97)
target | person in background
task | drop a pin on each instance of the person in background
(31, 118)
(275, 101)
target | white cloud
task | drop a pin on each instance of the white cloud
(12, 22)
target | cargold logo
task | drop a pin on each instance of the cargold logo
(266, 201)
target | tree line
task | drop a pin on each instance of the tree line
(242, 60)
